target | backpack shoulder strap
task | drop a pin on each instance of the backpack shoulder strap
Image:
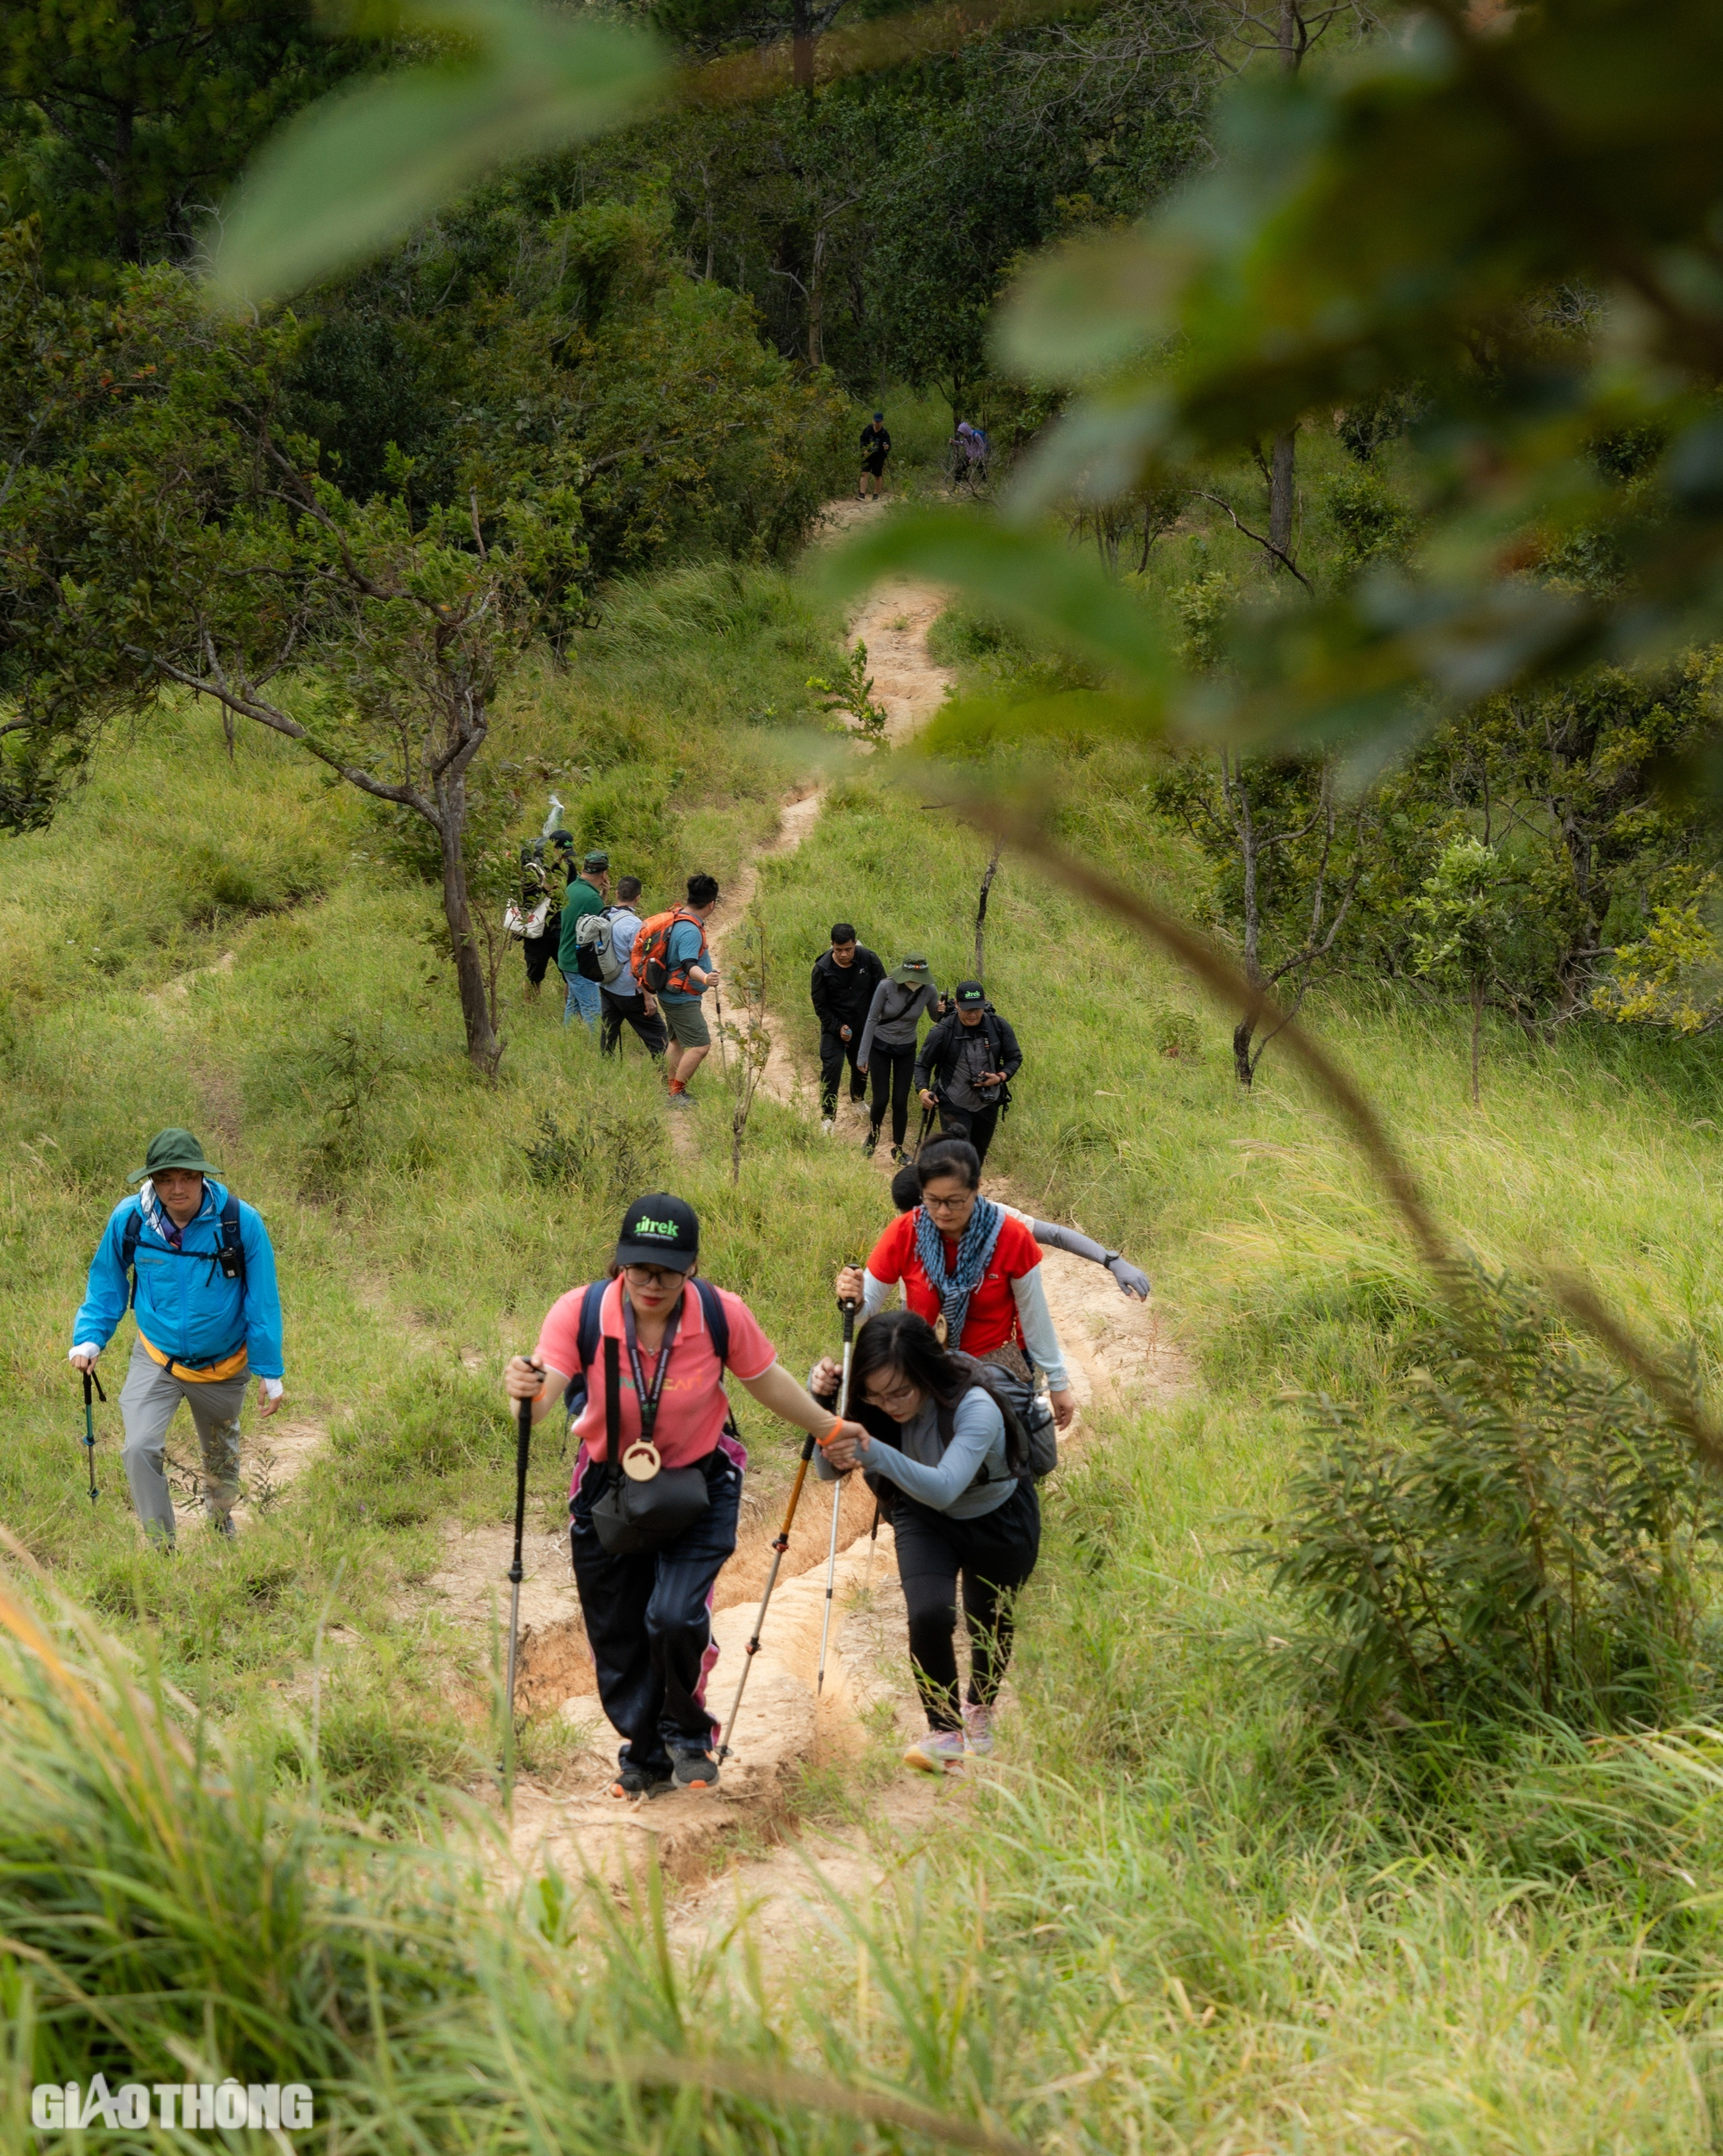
(586, 1338)
(232, 1244)
(717, 1318)
(128, 1250)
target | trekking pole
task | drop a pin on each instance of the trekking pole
(927, 1116)
(89, 1380)
(523, 1449)
(872, 1544)
(849, 1310)
(778, 1549)
(722, 1055)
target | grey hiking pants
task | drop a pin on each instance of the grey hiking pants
(149, 1400)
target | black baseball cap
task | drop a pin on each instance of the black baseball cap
(969, 996)
(659, 1230)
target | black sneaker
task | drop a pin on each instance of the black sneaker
(899, 1158)
(871, 1140)
(635, 1781)
(696, 1770)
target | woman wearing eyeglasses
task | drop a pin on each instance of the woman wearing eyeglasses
(971, 1270)
(648, 1613)
(933, 1432)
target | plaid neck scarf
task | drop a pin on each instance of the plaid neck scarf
(974, 1253)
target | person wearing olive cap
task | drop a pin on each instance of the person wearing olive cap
(648, 1613)
(197, 1264)
(888, 1045)
(585, 894)
(965, 1067)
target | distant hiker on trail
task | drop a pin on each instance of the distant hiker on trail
(969, 1266)
(970, 451)
(624, 1002)
(888, 1045)
(935, 1445)
(586, 896)
(1133, 1282)
(876, 446)
(197, 1262)
(842, 991)
(669, 960)
(648, 1613)
(965, 1067)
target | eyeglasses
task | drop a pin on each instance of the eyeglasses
(890, 1396)
(650, 1275)
(947, 1205)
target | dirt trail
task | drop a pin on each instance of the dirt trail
(1118, 1355)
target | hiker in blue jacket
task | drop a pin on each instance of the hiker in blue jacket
(209, 1320)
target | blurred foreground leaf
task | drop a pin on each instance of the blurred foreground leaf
(361, 168)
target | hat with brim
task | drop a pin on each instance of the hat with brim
(595, 864)
(173, 1149)
(912, 973)
(659, 1230)
(969, 996)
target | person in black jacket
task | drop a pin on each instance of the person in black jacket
(844, 978)
(966, 1064)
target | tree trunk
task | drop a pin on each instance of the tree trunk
(981, 910)
(816, 302)
(1242, 1034)
(1282, 481)
(801, 47)
(1476, 1033)
(484, 1049)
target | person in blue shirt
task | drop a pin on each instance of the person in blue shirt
(691, 972)
(208, 1320)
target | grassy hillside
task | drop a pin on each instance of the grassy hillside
(1189, 1916)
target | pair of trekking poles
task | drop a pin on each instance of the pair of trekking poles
(523, 1451)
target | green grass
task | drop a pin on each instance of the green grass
(1188, 1917)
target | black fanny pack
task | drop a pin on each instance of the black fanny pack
(636, 1513)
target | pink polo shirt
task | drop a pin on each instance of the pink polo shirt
(692, 1406)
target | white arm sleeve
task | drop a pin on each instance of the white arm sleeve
(1037, 1320)
(875, 1293)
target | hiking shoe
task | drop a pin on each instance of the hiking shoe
(899, 1158)
(871, 1140)
(939, 1751)
(222, 1525)
(636, 1781)
(977, 1729)
(696, 1770)
(825, 1126)
(681, 1101)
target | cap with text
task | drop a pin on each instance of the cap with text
(969, 996)
(659, 1230)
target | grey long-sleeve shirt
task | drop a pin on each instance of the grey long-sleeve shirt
(943, 1479)
(906, 1006)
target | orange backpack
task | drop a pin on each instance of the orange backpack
(649, 961)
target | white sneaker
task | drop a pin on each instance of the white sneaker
(940, 1752)
(825, 1124)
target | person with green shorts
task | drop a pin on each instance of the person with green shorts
(691, 972)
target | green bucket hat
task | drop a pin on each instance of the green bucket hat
(173, 1149)
(912, 972)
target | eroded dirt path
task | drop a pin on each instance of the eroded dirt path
(1120, 1357)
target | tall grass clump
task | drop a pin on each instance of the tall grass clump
(1524, 1533)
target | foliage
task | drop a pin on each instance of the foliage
(119, 125)
(1464, 920)
(1529, 1535)
(1673, 976)
(611, 1154)
(852, 693)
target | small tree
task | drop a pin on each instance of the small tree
(852, 693)
(752, 1042)
(166, 534)
(1465, 920)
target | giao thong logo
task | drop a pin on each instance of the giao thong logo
(186, 2105)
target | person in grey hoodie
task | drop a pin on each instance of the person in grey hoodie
(888, 1045)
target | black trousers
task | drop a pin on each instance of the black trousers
(892, 1070)
(992, 1556)
(618, 1011)
(977, 1124)
(540, 951)
(649, 1620)
(834, 1053)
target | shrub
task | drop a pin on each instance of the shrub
(1524, 1536)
